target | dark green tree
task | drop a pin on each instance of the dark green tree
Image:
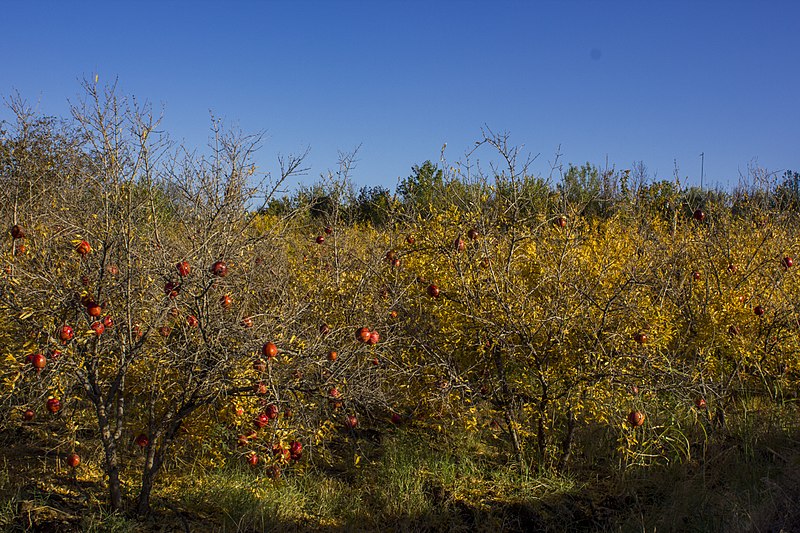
(373, 206)
(421, 188)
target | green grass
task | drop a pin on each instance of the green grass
(9, 498)
(454, 483)
(420, 480)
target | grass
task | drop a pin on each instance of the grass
(417, 480)
(741, 486)
(455, 483)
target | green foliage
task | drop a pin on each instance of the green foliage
(373, 205)
(595, 193)
(661, 198)
(422, 188)
(580, 185)
(787, 193)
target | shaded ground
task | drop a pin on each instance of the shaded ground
(733, 491)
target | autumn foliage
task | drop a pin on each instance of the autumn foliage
(170, 305)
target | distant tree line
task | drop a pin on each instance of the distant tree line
(583, 189)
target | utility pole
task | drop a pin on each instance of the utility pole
(702, 162)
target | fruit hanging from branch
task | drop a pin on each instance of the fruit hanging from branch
(219, 269)
(636, 418)
(295, 450)
(83, 248)
(39, 361)
(172, 289)
(363, 334)
(184, 268)
(73, 460)
(98, 328)
(53, 405)
(66, 333)
(17, 232)
(374, 338)
(269, 350)
(262, 420)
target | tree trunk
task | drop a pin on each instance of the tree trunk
(143, 503)
(156, 452)
(114, 487)
(155, 456)
(512, 429)
(508, 402)
(541, 443)
(566, 447)
(112, 461)
(541, 433)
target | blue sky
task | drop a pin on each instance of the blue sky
(659, 82)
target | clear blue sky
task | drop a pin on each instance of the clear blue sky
(624, 81)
